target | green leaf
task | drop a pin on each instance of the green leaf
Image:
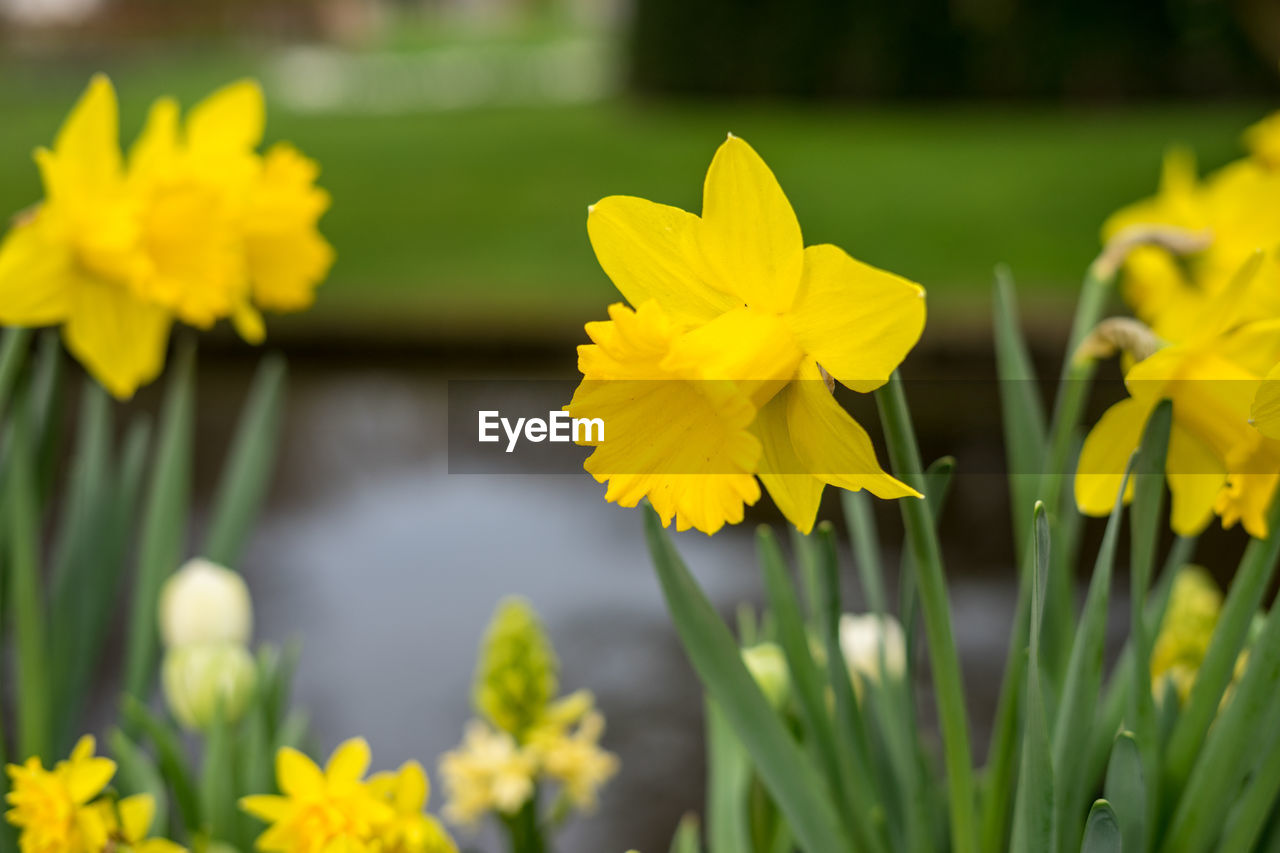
(1021, 409)
(1250, 583)
(169, 757)
(728, 785)
(26, 602)
(164, 523)
(1082, 684)
(1126, 790)
(1102, 830)
(137, 774)
(931, 584)
(13, 352)
(1257, 801)
(866, 548)
(247, 472)
(792, 781)
(1033, 806)
(218, 802)
(686, 837)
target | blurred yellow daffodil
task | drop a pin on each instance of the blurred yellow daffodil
(1189, 619)
(567, 745)
(320, 810)
(193, 225)
(410, 829)
(488, 772)
(136, 815)
(55, 810)
(712, 377)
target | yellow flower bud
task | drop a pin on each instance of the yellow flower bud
(862, 639)
(768, 666)
(205, 603)
(203, 680)
(517, 674)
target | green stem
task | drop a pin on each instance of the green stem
(904, 455)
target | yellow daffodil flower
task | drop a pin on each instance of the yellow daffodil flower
(488, 772)
(196, 225)
(320, 810)
(1195, 604)
(1216, 461)
(410, 829)
(71, 261)
(1233, 208)
(712, 377)
(567, 746)
(53, 809)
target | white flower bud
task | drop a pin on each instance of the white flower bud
(768, 666)
(201, 680)
(205, 603)
(861, 639)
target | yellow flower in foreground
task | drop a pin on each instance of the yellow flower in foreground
(488, 772)
(53, 808)
(1216, 460)
(409, 830)
(712, 377)
(319, 810)
(196, 225)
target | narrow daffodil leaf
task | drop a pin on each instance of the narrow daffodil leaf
(1022, 411)
(217, 781)
(686, 837)
(728, 786)
(170, 758)
(1252, 578)
(248, 468)
(1126, 791)
(136, 773)
(13, 353)
(1033, 806)
(1102, 830)
(865, 541)
(1081, 686)
(164, 522)
(926, 554)
(1255, 804)
(784, 769)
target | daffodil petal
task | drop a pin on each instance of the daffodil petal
(859, 322)
(136, 814)
(296, 774)
(268, 807)
(412, 788)
(832, 445)
(1195, 476)
(1105, 455)
(797, 494)
(118, 338)
(1265, 411)
(650, 251)
(86, 153)
(349, 762)
(35, 277)
(750, 347)
(749, 232)
(87, 778)
(229, 121)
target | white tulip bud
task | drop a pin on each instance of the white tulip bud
(205, 603)
(862, 639)
(768, 666)
(202, 680)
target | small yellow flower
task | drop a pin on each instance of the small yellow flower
(54, 808)
(1190, 617)
(567, 746)
(410, 830)
(714, 378)
(488, 772)
(516, 674)
(136, 814)
(317, 810)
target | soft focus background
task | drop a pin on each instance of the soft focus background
(462, 141)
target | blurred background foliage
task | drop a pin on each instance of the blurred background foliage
(463, 139)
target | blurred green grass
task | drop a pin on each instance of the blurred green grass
(471, 223)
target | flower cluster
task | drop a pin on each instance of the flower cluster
(716, 372)
(338, 809)
(1213, 348)
(527, 737)
(193, 224)
(65, 810)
